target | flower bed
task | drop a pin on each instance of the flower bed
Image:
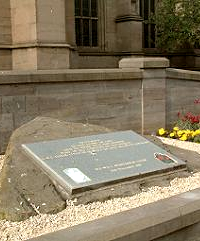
(181, 134)
(187, 127)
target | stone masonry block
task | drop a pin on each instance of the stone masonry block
(47, 103)
(15, 89)
(19, 103)
(12, 104)
(23, 21)
(76, 99)
(154, 106)
(157, 73)
(51, 88)
(51, 20)
(4, 139)
(6, 122)
(32, 104)
(5, 57)
(128, 40)
(110, 97)
(144, 62)
(154, 83)
(132, 86)
(7, 104)
(154, 94)
(25, 59)
(0, 105)
(5, 23)
(53, 58)
(123, 7)
(154, 122)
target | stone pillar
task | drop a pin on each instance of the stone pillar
(5, 35)
(153, 90)
(129, 26)
(40, 37)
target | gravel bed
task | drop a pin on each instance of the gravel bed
(73, 215)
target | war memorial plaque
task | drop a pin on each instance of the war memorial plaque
(85, 163)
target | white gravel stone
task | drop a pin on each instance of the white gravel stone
(73, 215)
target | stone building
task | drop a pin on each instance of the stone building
(47, 44)
(60, 34)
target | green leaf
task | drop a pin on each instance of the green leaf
(177, 24)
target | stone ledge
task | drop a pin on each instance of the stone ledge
(69, 75)
(127, 18)
(35, 45)
(183, 74)
(144, 62)
(145, 223)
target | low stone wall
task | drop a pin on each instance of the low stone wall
(182, 88)
(111, 98)
(175, 219)
(141, 96)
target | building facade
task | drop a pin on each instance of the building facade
(60, 34)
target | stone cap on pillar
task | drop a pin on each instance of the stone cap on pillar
(144, 62)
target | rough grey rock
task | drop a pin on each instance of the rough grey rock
(24, 189)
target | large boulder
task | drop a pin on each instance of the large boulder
(24, 189)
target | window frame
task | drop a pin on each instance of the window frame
(148, 25)
(100, 30)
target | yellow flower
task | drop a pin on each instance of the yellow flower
(183, 138)
(188, 132)
(197, 132)
(176, 128)
(172, 134)
(180, 133)
(192, 133)
(161, 131)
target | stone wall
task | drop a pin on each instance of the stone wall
(51, 21)
(40, 35)
(153, 90)
(111, 98)
(123, 26)
(23, 16)
(5, 23)
(5, 58)
(5, 35)
(182, 88)
(120, 34)
(141, 95)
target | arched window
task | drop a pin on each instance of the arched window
(86, 23)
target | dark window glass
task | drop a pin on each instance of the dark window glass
(78, 31)
(146, 36)
(77, 7)
(153, 35)
(86, 22)
(94, 33)
(147, 7)
(152, 6)
(94, 8)
(86, 8)
(86, 32)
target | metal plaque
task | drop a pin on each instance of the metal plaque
(89, 162)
